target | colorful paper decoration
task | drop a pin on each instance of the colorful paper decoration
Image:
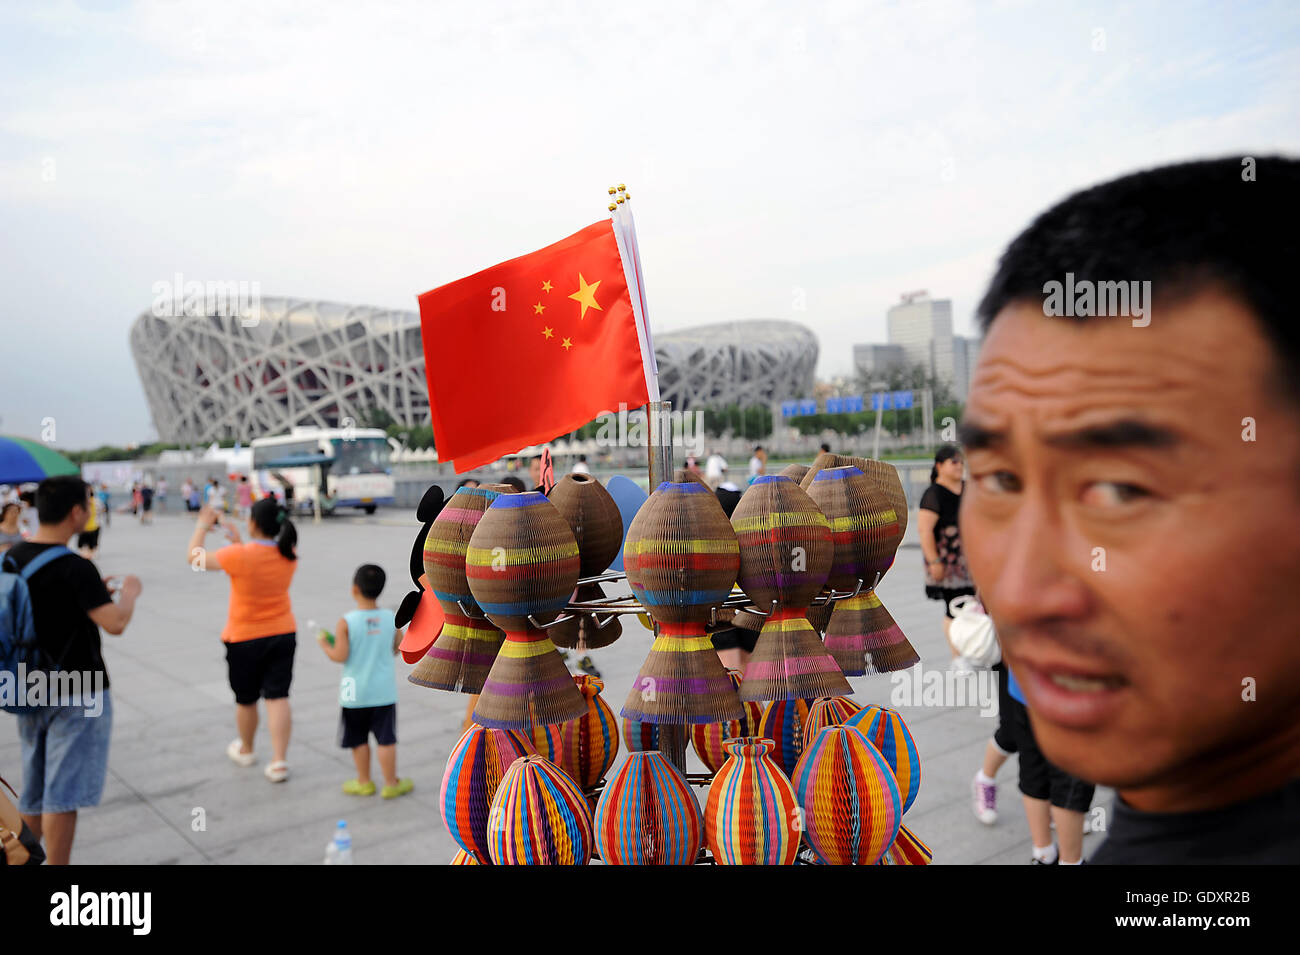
(462, 858)
(907, 850)
(783, 722)
(681, 558)
(890, 735)
(850, 801)
(597, 526)
(648, 815)
(785, 555)
(640, 737)
(522, 561)
(828, 711)
(707, 738)
(585, 747)
(475, 768)
(539, 816)
(867, 534)
(463, 652)
(752, 816)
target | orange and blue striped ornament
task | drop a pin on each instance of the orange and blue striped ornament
(648, 815)
(828, 711)
(477, 764)
(539, 816)
(907, 850)
(707, 738)
(462, 858)
(890, 735)
(585, 747)
(783, 722)
(640, 737)
(751, 816)
(850, 802)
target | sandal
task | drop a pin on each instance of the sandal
(277, 771)
(237, 757)
(354, 788)
(403, 787)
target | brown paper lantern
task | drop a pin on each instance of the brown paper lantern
(597, 526)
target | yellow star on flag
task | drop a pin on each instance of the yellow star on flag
(546, 286)
(539, 308)
(548, 333)
(566, 344)
(586, 296)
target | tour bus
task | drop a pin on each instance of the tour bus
(345, 467)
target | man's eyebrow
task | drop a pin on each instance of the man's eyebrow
(974, 437)
(1127, 433)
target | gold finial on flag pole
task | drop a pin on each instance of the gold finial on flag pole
(619, 200)
(612, 207)
(622, 188)
(612, 190)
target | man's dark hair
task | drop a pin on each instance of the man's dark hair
(57, 496)
(1185, 228)
(369, 579)
(514, 482)
(826, 447)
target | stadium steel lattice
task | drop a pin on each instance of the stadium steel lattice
(216, 376)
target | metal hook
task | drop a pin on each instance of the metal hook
(466, 611)
(562, 618)
(602, 624)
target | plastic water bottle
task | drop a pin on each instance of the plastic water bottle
(339, 851)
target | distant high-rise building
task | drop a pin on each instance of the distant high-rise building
(965, 352)
(875, 362)
(922, 326)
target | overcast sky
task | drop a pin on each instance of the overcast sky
(831, 155)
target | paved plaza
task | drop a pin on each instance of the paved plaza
(173, 716)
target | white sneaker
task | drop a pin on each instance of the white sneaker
(984, 800)
(238, 758)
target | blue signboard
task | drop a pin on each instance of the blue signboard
(902, 399)
(807, 406)
(834, 405)
(852, 404)
(890, 400)
(789, 409)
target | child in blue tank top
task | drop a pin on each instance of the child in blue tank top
(366, 642)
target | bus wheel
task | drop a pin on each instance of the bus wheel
(370, 508)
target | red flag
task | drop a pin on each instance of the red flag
(530, 349)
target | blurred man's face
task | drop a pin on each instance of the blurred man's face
(1139, 557)
(535, 471)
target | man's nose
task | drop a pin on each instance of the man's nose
(1039, 574)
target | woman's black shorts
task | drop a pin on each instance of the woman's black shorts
(262, 667)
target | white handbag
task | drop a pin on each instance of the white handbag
(972, 632)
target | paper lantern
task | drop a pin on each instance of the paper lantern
(648, 815)
(907, 850)
(795, 472)
(462, 654)
(890, 735)
(866, 534)
(462, 858)
(597, 526)
(522, 562)
(585, 747)
(539, 817)
(850, 802)
(681, 559)
(640, 737)
(783, 722)
(828, 711)
(785, 555)
(751, 816)
(707, 738)
(475, 768)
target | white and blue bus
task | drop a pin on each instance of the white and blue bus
(343, 467)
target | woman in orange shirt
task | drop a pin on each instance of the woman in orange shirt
(260, 635)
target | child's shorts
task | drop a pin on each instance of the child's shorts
(356, 723)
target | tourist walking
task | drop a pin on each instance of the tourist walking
(260, 633)
(946, 574)
(10, 531)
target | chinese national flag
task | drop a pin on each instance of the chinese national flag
(530, 349)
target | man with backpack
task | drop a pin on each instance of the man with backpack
(54, 604)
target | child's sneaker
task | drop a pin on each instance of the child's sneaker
(403, 787)
(984, 800)
(356, 788)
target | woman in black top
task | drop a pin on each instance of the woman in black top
(946, 574)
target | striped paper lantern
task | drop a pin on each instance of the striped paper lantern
(585, 747)
(522, 563)
(783, 722)
(681, 559)
(648, 815)
(539, 817)
(890, 735)
(597, 526)
(475, 768)
(751, 816)
(828, 711)
(850, 801)
(462, 858)
(907, 850)
(640, 737)
(707, 738)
